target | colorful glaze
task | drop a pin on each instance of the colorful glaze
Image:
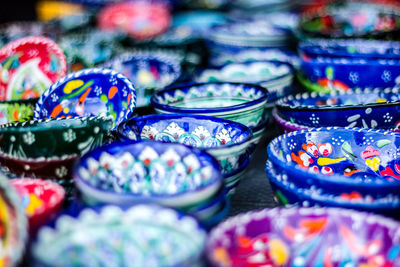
(13, 230)
(129, 173)
(243, 103)
(16, 110)
(41, 199)
(141, 20)
(287, 193)
(351, 48)
(29, 66)
(340, 160)
(142, 236)
(89, 92)
(273, 75)
(227, 141)
(305, 237)
(360, 108)
(54, 137)
(352, 19)
(287, 126)
(149, 71)
(324, 74)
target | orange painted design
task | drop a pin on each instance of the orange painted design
(81, 102)
(15, 115)
(129, 98)
(308, 228)
(111, 93)
(352, 195)
(57, 110)
(363, 250)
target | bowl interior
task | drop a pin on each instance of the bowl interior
(148, 168)
(209, 96)
(301, 236)
(353, 154)
(88, 93)
(196, 131)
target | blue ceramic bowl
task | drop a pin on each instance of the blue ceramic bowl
(226, 140)
(148, 70)
(89, 92)
(323, 74)
(351, 48)
(138, 236)
(340, 160)
(243, 103)
(360, 108)
(275, 76)
(287, 193)
(128, 173)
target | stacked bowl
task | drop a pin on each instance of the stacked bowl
(342, 167)
(367, 108)
(167, 174)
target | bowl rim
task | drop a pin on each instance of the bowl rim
(283, 105)
(349, 61)
(216, 176)
(244, 130)
(335, 178)
(91, 71)
(186, 87)
(325, 197)
(288, 124)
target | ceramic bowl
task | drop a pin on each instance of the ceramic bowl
(13, 224)
(351, 48)
(352, 19)
(304, 236)
(200, 21)
(360, 108)
(243, 103)
(323, 74)
(29, 66)
(142, 236)
(226, 140)
(89, 92)
(339, 160)
(273, 75)
(42, 200)
(141, 20)
(233, 179)
(287, 193)
(287, 126)
(148, 70)
(48, 138)
(166, 173)
(16, 110)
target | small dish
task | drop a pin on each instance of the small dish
(143, 235)
(166, 173)
(359, 108)
(41, 199)
(149, 71)
(243, 103)
(17, 110)
(141, 20)
(226, 140)
(338, 160)
(300, 236)
(29, 66)
(54, 137)
(89, 92)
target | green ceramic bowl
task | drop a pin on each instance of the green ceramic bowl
(17, 110)
(53, 137)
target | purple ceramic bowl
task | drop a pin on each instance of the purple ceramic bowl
(287, 126)
(305, 237)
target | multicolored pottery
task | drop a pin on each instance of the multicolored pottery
(149, 71)
(243, 103)
(89, 92)
(141, 20)
(41, 199)
(360, 108)
(226, 140)
(305, 237)
(29, 66)
(54, 137)
(129, 173)
(16, 110)
(13, 223)
(287, 193)
(140, 236)
(340, 160)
